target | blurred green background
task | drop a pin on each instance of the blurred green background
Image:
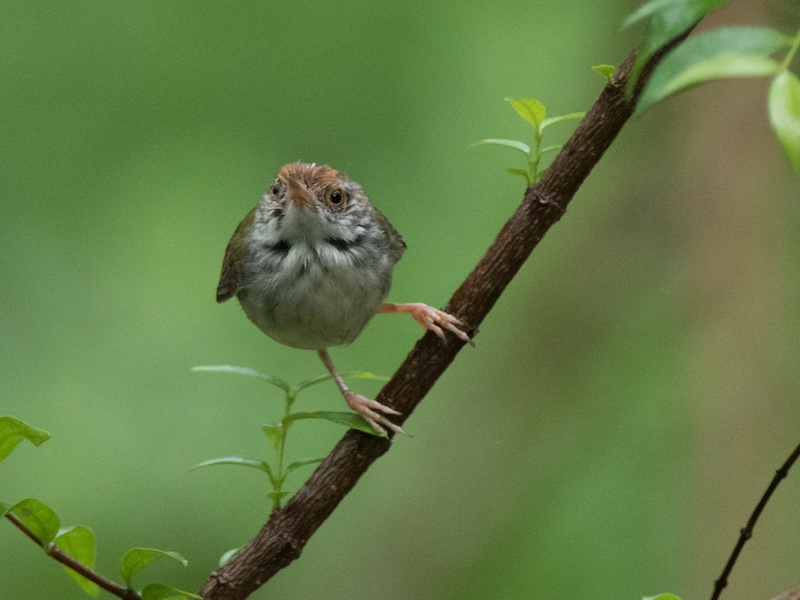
(629, 396)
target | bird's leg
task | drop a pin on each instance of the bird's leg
(429, 317)
(369, 409)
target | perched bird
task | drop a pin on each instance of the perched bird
(312, 263)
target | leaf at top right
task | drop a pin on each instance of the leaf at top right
(721, 53)
(784, 113)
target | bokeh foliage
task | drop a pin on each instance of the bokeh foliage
(628, 397)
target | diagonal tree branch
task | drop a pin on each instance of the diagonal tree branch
(283, 537)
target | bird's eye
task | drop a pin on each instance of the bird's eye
(337, 197)
(276, 190)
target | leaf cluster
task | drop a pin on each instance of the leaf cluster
(77, 542)
(721, 53)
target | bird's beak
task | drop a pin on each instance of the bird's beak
(299, 192)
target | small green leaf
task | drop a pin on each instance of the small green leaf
(159, 591)
(726, 52)
(547, 149)
(529, 109)
(348, 419)
(662, 597)
(137, 559)
(521, 146)
(647, 10)
(303, 462)
(276, 381)
(274, 433)
(605, 71)
(520, 172)
(79, 543)
(346, 375)
(553, 120)
(235, 460)
(313, 381)
(784, 114)
(13, 431)
(223, 560)
(4, 508)
(39, 518)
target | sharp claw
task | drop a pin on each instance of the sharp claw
(371, 411)
(386, 409)
(374, 418)
(460, 334)
(381, 431)
(450, 323)
(393, 426)
(438, 331)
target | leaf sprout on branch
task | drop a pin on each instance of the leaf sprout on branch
(535, 113)
(277, 433)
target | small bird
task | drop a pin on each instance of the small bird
(312, 263)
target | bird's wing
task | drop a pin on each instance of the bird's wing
(397, 245)
(235, 254)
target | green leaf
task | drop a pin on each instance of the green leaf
(529, 109)
(235, 460)
(348, 419)
(553, 120)
(42, 521)
(4, 508)
(605, 71)
(662, 597)
(137, 559)
(784, 114)
(79, 543)
(303, 462)
(313, 381)
(274, 433)
(647, 10)
(521, 173)
(276, 381)
(547, 149)
(223, 560)
(668, 19)
(13, 431)
(727, 52)
(346, 375)
(159, 591)
(521, 146)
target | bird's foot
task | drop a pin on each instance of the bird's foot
(430, 318)
(371, 411)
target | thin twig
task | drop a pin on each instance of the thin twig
(65, 559)
(747, 531)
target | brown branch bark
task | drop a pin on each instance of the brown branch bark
(56, 553)
(283, 537)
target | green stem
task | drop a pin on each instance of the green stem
(280, 475)
(792, 51)
(536, 153)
